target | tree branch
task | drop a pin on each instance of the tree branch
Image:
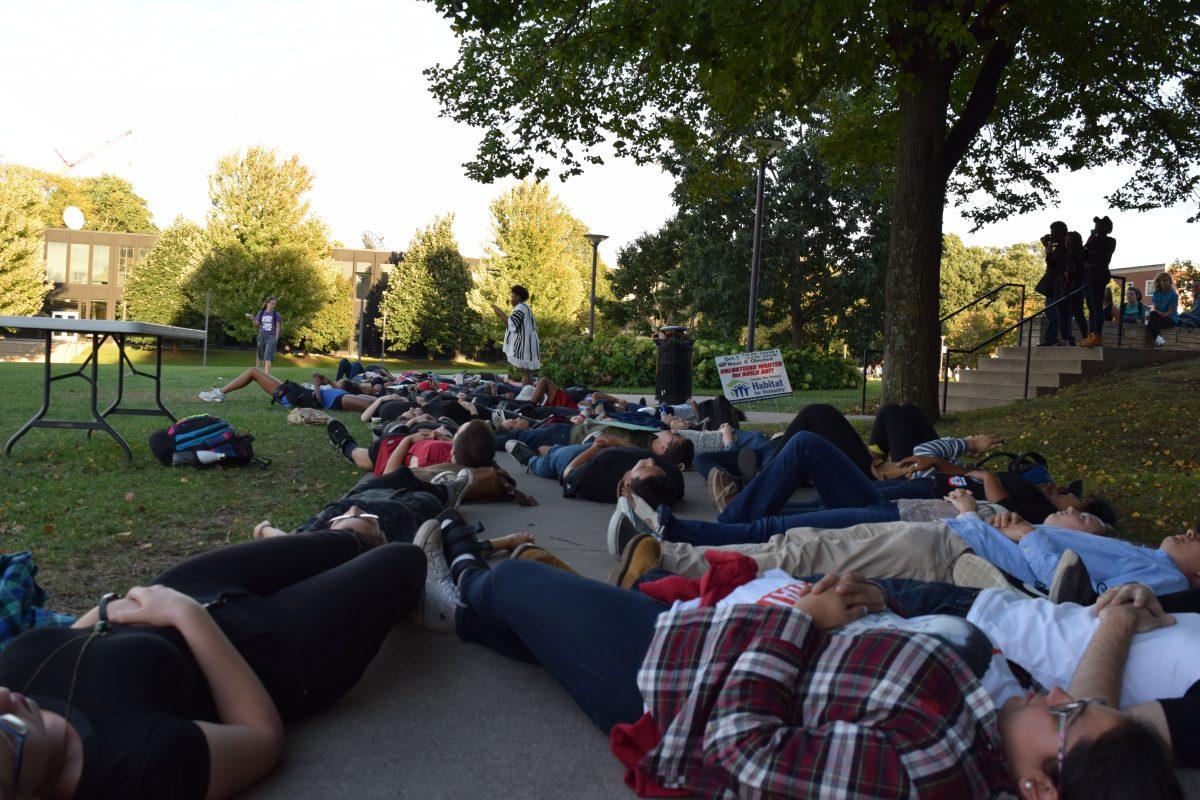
(980, 103)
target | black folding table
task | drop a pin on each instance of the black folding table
(99, 330)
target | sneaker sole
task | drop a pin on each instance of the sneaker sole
(975, 572)
(616, 523)
(1071, 582)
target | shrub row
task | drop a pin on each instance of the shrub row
(629, 361)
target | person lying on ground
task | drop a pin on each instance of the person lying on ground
(1043, 556)
(1161, 683)
(705, 701)
(473, 445)
(897, 430)
(330, 398)
(599, 469)
(355, 369)
(182, 688)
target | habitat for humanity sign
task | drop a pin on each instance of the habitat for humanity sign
(753, 376)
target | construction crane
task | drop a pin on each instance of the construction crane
(93, 153)
(372, 240)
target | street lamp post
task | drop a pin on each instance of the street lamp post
(595, 239)
(763, 149)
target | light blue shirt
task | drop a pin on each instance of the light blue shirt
(1110, 562)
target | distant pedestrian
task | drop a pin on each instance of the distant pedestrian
(520, 335)
(268, 322)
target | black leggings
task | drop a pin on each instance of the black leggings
(401, 479)
(898, 429)
(830, 424)
(1158, 322)
(1095, 303)
(306, 611)
(1073, 309)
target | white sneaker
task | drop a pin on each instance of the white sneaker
(212, 396)
(456, 485)
(436, 608)
(1159, 341)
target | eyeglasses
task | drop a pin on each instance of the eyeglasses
(19, 730)
(1068, 713)
(354, 516)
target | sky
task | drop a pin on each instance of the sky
(339, 84)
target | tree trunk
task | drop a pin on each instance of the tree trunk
(911, 331)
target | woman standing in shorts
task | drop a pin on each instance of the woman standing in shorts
(520, 335)
(268, 323)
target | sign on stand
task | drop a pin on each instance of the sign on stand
(760, 375)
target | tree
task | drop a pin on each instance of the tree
(955, 96)
(329, 327)
(115, 206)
(426, 299)
(1183, 272)
(159, 287)
(23, 284)
(264, 241)
(538, 244)
(822, 261)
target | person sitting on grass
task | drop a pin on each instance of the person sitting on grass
(472, 446)
(331, 398)
(805, 696)
(182, 688)
(598, 469)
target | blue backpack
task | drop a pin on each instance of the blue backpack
(203, 432)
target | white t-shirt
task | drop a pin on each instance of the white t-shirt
(1048, 640)
(777, 588)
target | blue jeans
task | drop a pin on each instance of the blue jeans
(590, 636)
(921, 598)
(848, 497)
(727, 459)
(553, 463)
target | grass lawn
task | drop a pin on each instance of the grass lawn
(96, 523)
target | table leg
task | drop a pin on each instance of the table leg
(45, 400)
(102, 423)
(158, 380)
(121, 359)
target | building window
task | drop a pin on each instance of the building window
(347, 268)
(100, 254)
(141, 253)
(78, 267)
(98, 309)
(56, 262)
(124, 263)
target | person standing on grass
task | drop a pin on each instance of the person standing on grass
(268, 323)
(520, 335)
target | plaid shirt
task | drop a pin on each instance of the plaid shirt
(755, 702)
(20, 597)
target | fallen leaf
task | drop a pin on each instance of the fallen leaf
(183, 480)
(128, 497)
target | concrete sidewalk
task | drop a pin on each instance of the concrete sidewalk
(435, 717)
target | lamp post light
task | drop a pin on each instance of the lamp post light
(763, 149)
(595, 239)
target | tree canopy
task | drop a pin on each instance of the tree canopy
(425, 302)
(108, 203)
(23, 284)
(264, 241)
(158, 288)
(980, 100)
(539, 244)
(822, 275)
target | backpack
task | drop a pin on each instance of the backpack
(1031, 465)
(179, 443)
(295, 395)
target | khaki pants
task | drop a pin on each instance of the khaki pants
(919, 550)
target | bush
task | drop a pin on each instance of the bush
(629, 361)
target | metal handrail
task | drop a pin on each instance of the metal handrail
(1029, 338)
(985, 296)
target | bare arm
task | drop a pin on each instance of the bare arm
(598, 444)
(499, 312)
(1103, 662)
(993, 490)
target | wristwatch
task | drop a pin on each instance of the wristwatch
(104, 624)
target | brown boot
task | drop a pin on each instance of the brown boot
(722, 488)
(642, 554)
(531, 552)
(1092, 340)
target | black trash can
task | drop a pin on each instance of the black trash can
(673, 370)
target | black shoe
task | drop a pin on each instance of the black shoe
(1071, 582)
(460, 539)
(522, 452)
(747, 464)
(339, 436)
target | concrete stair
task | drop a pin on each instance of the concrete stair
(1000, 380)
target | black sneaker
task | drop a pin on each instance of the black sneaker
(460, 544)
(338, 436)
(747, 464)
(1071, 582)
(522, 452)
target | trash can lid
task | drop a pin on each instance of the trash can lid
(672, 329)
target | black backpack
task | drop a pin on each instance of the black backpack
(295, 395)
